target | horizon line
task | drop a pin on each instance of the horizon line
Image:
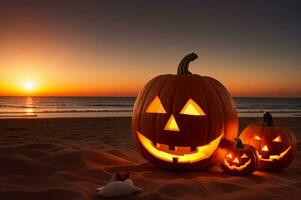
(104, 96)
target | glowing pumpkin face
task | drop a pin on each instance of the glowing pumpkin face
(179, 154)
(275, 146)
(179, 120)
(240, 159)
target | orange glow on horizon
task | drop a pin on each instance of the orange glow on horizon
(85, 73)
(11, 87)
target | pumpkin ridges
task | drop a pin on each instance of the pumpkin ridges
(231, 131)
(289, 137)
(140, 100)
(224, 109)
(219, 106)
(248, 134)
(143, 101)
(213, 106)
(139, 103)
(167, 94)
(201, 91)
(231, 108)
(202, 98)
(182, 119)
(161, 83)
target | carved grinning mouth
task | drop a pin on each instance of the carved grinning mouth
(179, 154)
(273, 157)
(232, 167)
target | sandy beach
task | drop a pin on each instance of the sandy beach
(69, 158)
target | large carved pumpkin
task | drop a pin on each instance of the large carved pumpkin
(275, 145)
(179, 120)
(239, 159)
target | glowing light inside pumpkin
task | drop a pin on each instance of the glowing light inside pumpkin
(236, 167)
(277, 139)
(244, 156)
(257, 138)
(265, 148)
(171, 124)
(236, 160)
(192, 108)
(273, 157)
(155, 106)
(201, 153)
(229, 155)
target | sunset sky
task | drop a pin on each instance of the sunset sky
(112, 48)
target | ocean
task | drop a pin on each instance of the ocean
(53, 107)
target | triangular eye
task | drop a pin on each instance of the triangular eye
(244, 156)
(192, 108)
(277, 139)
(229, 155)
(257, 138)
(155, 106)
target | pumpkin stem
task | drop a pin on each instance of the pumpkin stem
(239, 143)
(267, 119)
(183, 66)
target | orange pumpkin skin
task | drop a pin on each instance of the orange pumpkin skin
(174, 91)
(271, 142)
(239, 159)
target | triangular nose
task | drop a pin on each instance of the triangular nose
(171, 124)
(265, 148)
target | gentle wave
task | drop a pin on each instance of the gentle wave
(63, 106)
(238, 105)
(107, 105)
(115, 105)
(130, 110)
(273, 111)
(66, 111)
(16, 106)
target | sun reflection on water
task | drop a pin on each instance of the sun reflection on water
(29, 106)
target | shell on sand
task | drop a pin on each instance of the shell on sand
(118, 189)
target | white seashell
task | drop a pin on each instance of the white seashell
(118, 189)
(129, 181)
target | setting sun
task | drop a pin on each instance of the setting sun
(29, 86)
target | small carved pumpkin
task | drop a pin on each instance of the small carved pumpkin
(240, 159)
(179, 120)
(275, 145)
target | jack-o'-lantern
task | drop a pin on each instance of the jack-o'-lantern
(240, 159)
(275, 145)
(178, 121)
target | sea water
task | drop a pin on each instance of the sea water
(49, 107)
